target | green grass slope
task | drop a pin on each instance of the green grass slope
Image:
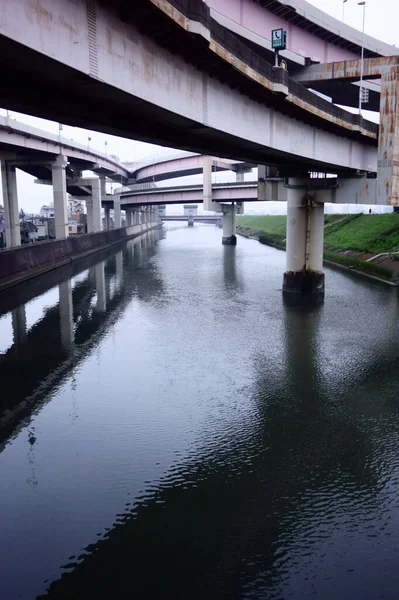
(257, 224)
(361, 233)
(365, 233)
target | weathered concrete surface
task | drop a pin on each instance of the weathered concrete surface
(143, 72)
(388, 146)
(350, 70)
(19, 264)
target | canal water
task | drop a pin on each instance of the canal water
(171, 429)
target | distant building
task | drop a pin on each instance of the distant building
(75, 207)
(72, 226)
(190, 210)
(47, 211)
(162, 210)
(42, 228)
(51, 228)
(29, 232)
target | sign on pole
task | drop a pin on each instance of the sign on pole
(279, 39)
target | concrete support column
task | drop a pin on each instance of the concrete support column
(136, 216)
(207, 184)
(66, 313)
(117, 212)
(107, 217)
(240, 177)
(11, 209)
(89, 214)
(103, 187)
(60, 197)
(305, 239)
(96, 202)
(388, 141)
(229, 225)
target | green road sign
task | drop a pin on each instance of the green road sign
(279, 39)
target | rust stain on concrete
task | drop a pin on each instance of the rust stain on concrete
(67, 25)
(240, 65)
(40, 11)
(171, 12)
(328, 117)
(372, 68)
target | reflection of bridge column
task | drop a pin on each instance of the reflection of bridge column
(19, 328)
(10, 201)
(305, 239)
(60, 197)
(229, 266)
(66, 313)
(302, 345)
(117, 212)
(229, 225)
(119, 267)
(100, 287)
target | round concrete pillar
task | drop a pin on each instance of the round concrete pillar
(305, 238)
(229, 226)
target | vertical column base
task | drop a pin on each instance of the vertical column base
(230, 240)
(303, 283)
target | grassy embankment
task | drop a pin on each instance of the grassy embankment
(344, 235)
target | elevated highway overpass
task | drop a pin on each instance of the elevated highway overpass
(225, 98)
(170, 72)
(181, 164)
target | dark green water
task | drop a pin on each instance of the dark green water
(170, 429)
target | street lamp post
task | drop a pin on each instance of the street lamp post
(343, 10)
(362, 58)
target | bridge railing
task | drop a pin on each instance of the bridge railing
(197, 10)
(154, 159)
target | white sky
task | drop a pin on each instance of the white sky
(381, 22)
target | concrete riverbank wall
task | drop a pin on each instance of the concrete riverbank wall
(25, 262)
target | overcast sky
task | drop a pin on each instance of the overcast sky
(381, 22)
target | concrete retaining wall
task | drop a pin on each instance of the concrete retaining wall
(24, 262)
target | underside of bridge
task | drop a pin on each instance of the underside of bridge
(77, 99)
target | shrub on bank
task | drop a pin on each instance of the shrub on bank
(360, 265)
(270, 239)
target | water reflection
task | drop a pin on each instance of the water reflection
(283, 498)
(209, 441)
(32, 368)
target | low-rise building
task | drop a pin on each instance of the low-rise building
(190, 209)
(29, 232)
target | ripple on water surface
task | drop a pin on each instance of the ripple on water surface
(197, 438)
